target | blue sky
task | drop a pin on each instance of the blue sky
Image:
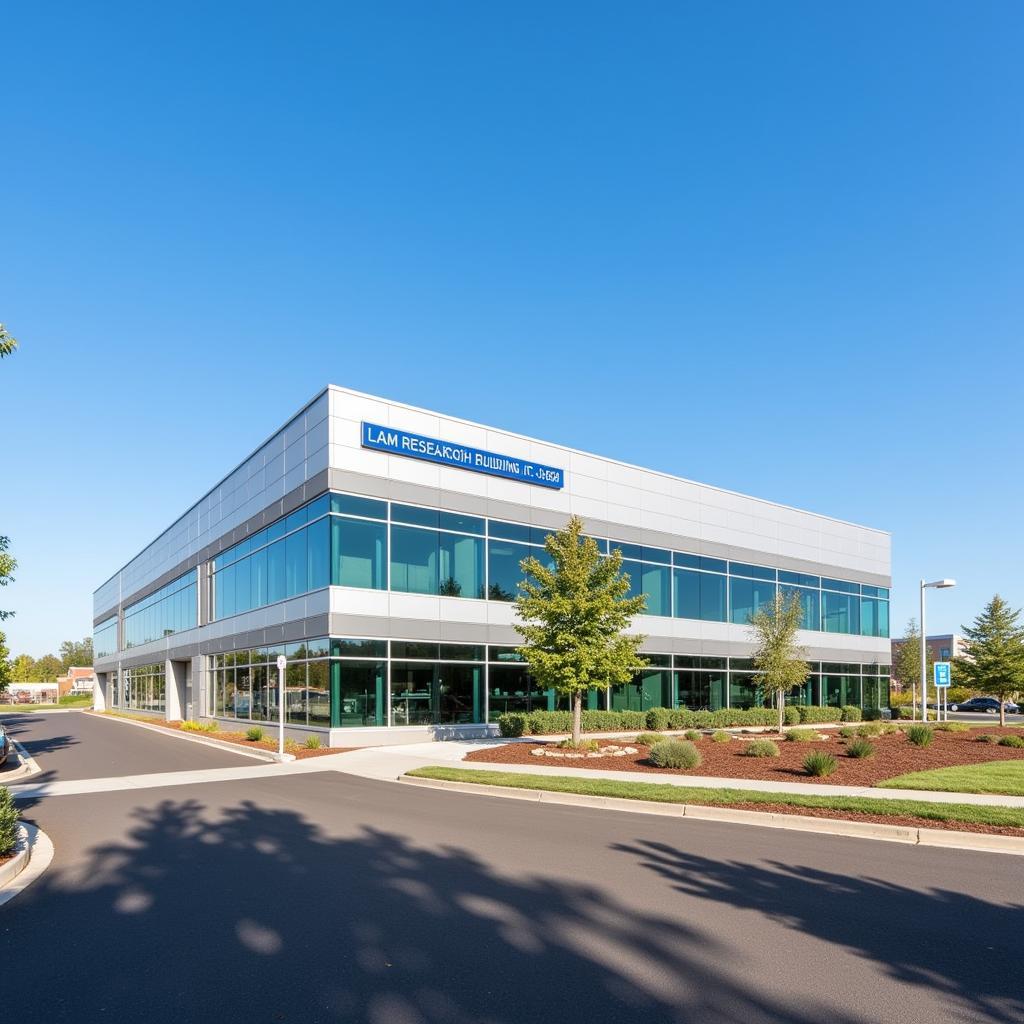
(773, 247)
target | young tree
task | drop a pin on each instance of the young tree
(23, 669)
(5, 662)
(993, 660)
(8, 564)
(47, 668)
(778, 659)
(76, 652)
(8, 343)
(906, 662)
(573, 618)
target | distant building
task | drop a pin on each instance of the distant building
(941, 647)
(77, 681)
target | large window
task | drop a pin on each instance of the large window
(352, 541)
(142, 688)
(168, 610)
(104, 638)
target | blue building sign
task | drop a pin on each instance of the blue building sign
(942, 674)
(448, 453)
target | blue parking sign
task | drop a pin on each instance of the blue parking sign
(942, 674)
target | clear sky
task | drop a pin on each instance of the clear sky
(776, 247)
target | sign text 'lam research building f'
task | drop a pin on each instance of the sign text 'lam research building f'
(377, 546)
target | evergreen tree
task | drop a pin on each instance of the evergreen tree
(573, 618)
(778, 659)
(993, 661)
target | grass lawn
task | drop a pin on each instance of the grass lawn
(661, 793)
(65, 702)
(1006, 777)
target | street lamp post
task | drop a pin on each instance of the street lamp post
(937, 585)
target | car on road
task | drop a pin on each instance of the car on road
(5, 745)
(988, 705)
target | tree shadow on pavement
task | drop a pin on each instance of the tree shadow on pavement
(256, 914)
(952, 943)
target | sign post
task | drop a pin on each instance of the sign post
(282, 664)
(943, 675)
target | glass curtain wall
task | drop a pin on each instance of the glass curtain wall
(104, 638)
(168, 610)
(353, 541)
(143, 688)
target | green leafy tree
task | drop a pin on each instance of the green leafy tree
(8, 563)
(76, 652)
(906, 662)
(23, 669)
(5, 662)
(573, 618)
(778, 658)
(993, 659)
(8, 343)
(47, 668)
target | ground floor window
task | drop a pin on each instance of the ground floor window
(142, 688)
(355, 683)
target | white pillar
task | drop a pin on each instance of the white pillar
(174, 690)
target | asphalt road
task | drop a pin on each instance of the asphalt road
(77, 745)
(324, 897)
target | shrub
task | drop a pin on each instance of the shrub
(761, 748)
(674, 754)
(1012, 741)
(254, 733)
(658, 719)
(802, 735)
(903, 713)
(648, 739)
(860, 748)
(692, 734)
(189, 725)
(848, 732)
(887, 729)
(791, 714)
(986, 737)
(512, 723)
(920, 735)
(312, 743)
(952, 727)
(680, 718)
(720, 736)
(819, 763)
(8, 822)
(870, 729)
(850, 713)
(584, 746)
(811, 714)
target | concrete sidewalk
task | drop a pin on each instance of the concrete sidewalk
(388, 763)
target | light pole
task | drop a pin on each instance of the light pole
(937, 585)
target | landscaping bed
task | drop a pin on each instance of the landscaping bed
(1007, 821)
(894, 755)
(268, 742)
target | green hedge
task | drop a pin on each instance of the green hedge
(545, 723)
(850, 713)
(8, 822)
(814, 715)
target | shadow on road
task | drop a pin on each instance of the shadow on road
(947, 942)
(18, 727)
(257, 914)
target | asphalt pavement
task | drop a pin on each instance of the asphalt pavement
(325, 897)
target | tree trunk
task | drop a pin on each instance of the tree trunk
(577, 716)
(1002, 714)
(780, 697)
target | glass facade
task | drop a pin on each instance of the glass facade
(142, 688)
(365, 682)
(352, 541)
(104, 638)
(168, 610)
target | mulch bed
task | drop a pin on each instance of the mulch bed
(269, 742)
(894, 755)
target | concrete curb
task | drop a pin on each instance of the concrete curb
(26, 765)
(31, 860)
(908, 834)
(209, 741)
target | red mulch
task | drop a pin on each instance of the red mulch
(269, 741)
(894, 755)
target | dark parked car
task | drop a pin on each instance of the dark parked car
(5, 745)
(987, 704)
